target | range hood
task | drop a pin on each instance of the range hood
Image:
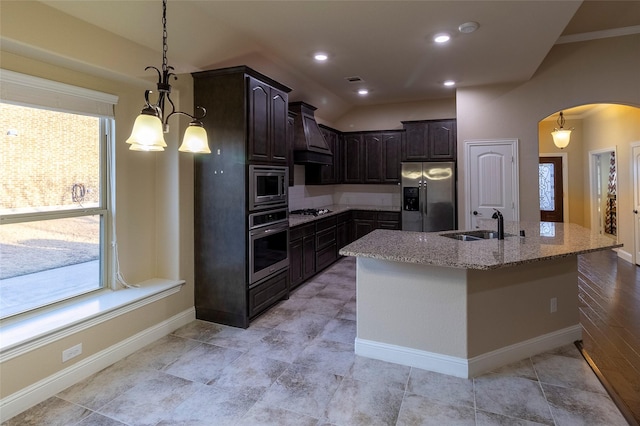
(309, 146)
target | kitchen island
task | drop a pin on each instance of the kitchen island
(465, 307)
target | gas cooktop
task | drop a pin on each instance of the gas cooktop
(310, 212)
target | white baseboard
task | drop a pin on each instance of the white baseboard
(624, 255)
(20, 401)
(462, 367)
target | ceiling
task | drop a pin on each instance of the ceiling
(388, 44)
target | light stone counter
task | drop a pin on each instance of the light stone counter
(298, 219)
(542, 241)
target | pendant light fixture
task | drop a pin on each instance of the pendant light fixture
(148, 129)
(561, 135)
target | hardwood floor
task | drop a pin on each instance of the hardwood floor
(609, 291)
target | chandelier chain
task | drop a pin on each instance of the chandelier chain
(164, 36)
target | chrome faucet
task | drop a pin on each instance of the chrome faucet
(498, 215)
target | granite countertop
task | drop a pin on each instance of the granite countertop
(299, 219)
(543, 241)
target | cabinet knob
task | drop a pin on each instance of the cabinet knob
(475, 213)
(635, 212)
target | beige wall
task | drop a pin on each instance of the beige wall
(154, 210)
(599, 71)
(390, 116)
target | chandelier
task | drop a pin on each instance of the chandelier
(561, 135)
(149, 128)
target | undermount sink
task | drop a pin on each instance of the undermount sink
(473, 235)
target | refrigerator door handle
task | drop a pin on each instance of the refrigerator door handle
(424, 198)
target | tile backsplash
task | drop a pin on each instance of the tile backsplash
(303, 196)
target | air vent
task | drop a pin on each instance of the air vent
(354, 79)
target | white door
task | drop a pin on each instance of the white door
(635, 155)
(491, 179)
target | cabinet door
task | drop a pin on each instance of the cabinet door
(296, 263)
(373, 157)
(279, 124)
(290, 121)
(392, 148)
(328, 173)
(415, 142)
(353, 158)
(362, 227)
(268, 292)
(258, 115)
(442, 140)
(309, 255)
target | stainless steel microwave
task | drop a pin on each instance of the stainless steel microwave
(268, 187)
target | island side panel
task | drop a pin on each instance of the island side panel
(508, 306)
(414, 306)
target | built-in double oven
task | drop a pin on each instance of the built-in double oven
(268, 222)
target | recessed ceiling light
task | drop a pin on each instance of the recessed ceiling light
(320, 57)
(449, 83)
(441, 38)
(468, 27)
(363, 92)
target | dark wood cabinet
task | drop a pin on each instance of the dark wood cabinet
(365, 221)
(267, 123)
(388, 220)
(314, 246)
(372, 157)
(429, 140)
(442, 140)
(392, 150)
(373, 151)
(268, 292)
(317, 174)
(344, 235)
(353, 158)
(290, 122)
(302, 253)
(246, 122)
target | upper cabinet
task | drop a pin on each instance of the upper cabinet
(267, 123)
(430, 140)
(353, 158)
(373, 157)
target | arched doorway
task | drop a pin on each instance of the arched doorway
(597, 186)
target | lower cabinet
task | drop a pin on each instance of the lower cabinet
(302, 253)
(365, 221)
(326, 247)
(268, 292)
(314, 246)
(344, 235)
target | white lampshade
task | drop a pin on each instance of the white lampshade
(561, 137)
(195, 140)
(147, 134)
(137, 147)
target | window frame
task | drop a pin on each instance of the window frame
(33, 92)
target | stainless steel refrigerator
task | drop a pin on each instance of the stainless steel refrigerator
(428, 196)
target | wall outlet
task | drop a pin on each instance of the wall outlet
(553, 305)
(72, 352)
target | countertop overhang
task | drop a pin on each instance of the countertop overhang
(543, 241)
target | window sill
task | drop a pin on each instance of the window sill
(29, 332)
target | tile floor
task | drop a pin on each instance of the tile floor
(295, 366)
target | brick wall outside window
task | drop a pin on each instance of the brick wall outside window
(53, 161)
